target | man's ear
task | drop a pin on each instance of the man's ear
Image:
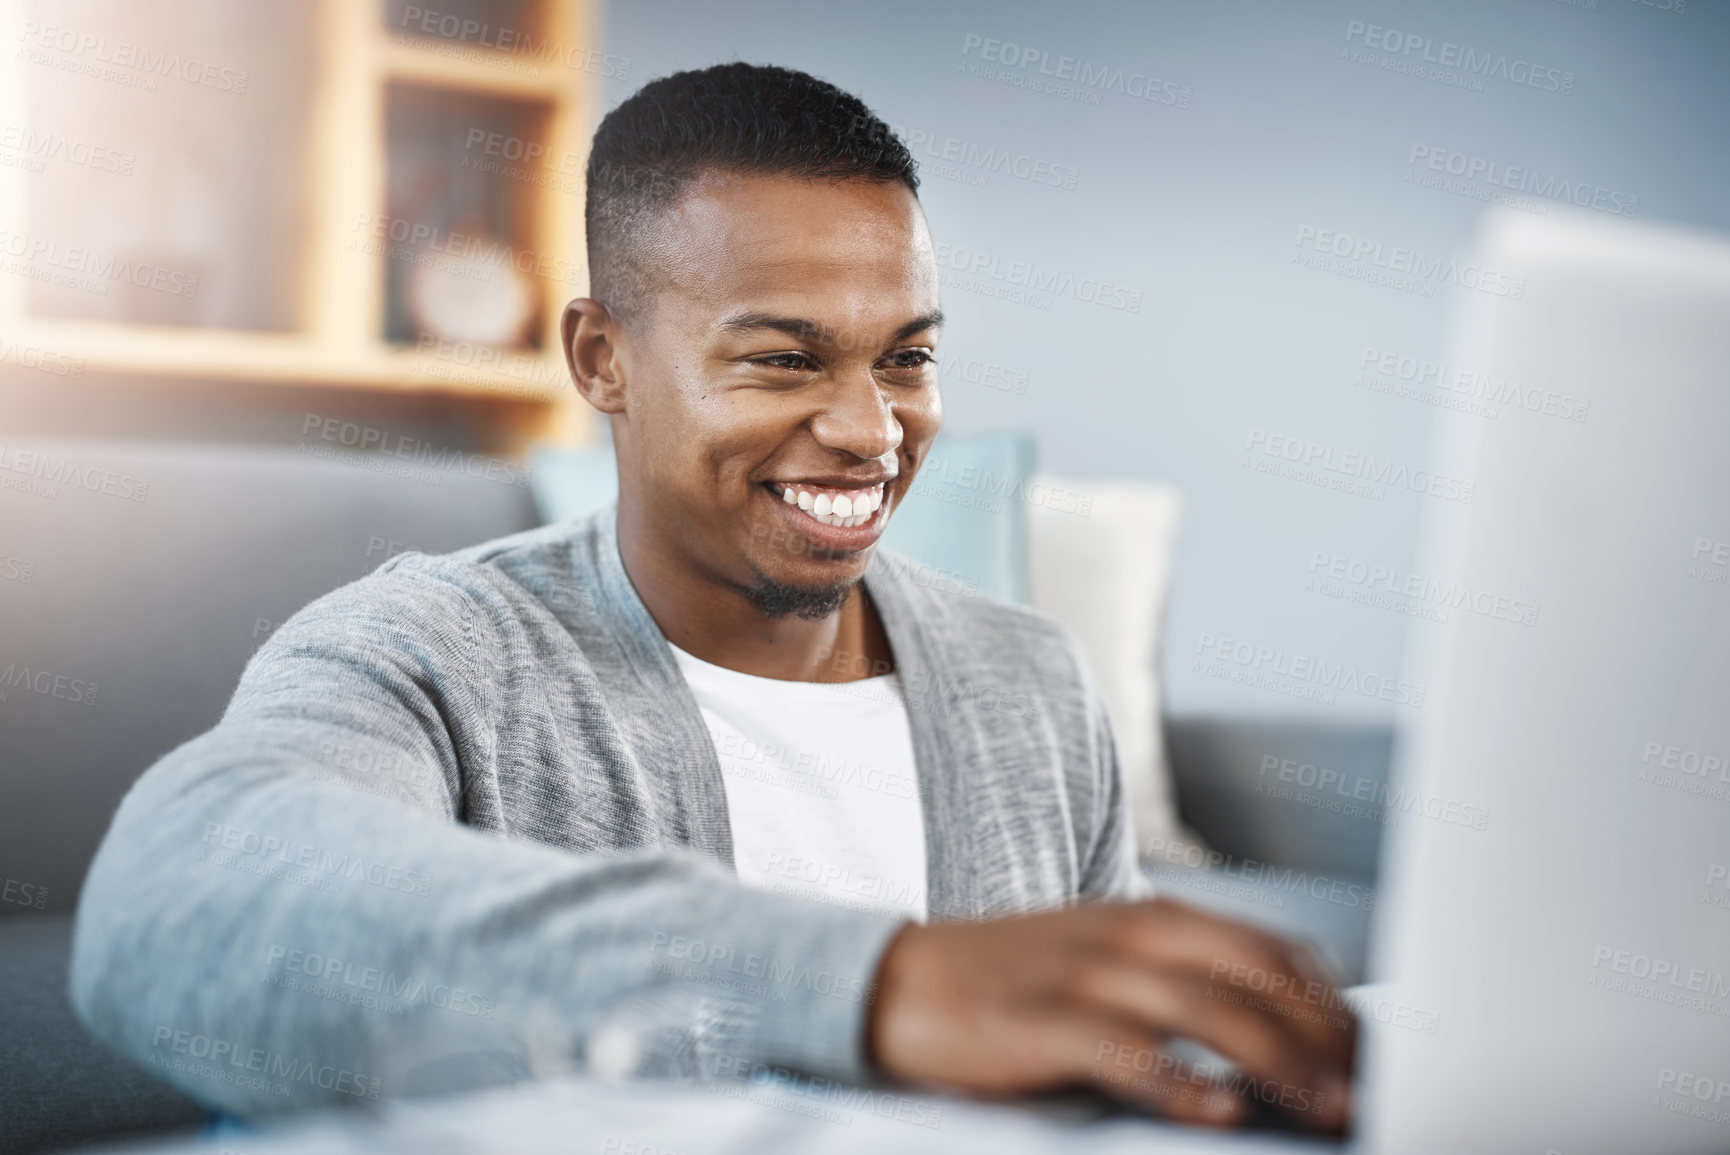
(591, 337)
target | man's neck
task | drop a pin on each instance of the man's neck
(719, 624)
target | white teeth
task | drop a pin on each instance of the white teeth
(844, 509)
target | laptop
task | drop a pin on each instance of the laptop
(1553, 971)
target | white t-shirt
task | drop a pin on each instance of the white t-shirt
(821, 785)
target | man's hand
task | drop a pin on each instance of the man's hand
(1092, 994)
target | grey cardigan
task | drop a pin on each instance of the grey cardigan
(462, 823)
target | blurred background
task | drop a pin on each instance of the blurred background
(216, 216)
(279, 292)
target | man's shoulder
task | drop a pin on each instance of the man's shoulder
(972, 625)
(417, 592)
(527, 559)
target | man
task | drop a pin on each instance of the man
(494, 814)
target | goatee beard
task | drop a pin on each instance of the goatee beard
(775, 599)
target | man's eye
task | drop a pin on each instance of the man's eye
(910, 359)
(793, 362)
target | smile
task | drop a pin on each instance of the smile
(841, 508)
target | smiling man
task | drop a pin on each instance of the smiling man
(560, 801)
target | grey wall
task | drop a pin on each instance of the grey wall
(1273, 124)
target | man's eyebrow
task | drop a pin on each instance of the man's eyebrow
(808, 330)
(931, 320)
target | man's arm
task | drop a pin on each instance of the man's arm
(1114, 868)
(1095, 993)
(286, 911)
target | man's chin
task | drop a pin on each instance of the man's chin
(774, 599)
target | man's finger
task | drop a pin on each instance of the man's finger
(1258, 969)
(1134, 1066)
(1287, 1067)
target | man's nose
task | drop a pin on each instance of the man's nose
(859, 419)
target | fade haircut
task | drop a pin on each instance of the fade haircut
(740, 118)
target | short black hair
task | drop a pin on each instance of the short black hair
(744, 118)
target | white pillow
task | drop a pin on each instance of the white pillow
(1099, 561)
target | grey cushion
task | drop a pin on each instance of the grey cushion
(1305, 810)
(160, 603)
(61, 1086)
(1296, 807)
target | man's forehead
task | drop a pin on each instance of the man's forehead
(777, 226)
(838, 254)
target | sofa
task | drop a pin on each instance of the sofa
(137, 578)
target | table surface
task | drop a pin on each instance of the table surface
(642, 1118)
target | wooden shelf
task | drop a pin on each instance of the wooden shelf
(531, 377)
(342, 310)
(483, 70)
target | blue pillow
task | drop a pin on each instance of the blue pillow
(966, 515)
(965, 518)
(572, 483)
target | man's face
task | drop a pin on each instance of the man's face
(790, 349)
